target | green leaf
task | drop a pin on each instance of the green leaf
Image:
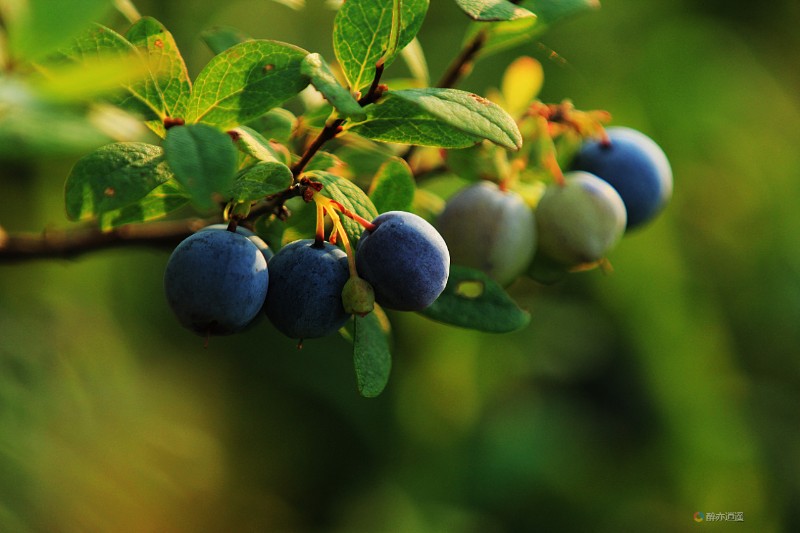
(318, 71)
(220, 38)
(362, 32)
(492, 10)
(371, 356)
(447, 118)
(350, 196)
(159, 202)
(203, 160)
(277, 124)
(393, 186)
(324, 161)
(112, 177)
(260, 180)
(37, 28)
(170, 88)
(246, 81)
(255, 145)
(473, 300)
(143, 97)
(504, 35)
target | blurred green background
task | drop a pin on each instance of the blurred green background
(631, 402)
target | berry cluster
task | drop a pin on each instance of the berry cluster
(614, 184)
(218, 282)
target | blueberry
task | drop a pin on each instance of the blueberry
(580, 221)
(635, 166)
(305, 289)
(489, 229)
(258, 241)
(216, 282)
(405, 260)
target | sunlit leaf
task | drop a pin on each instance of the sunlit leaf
(362, 32)
(171, 86)
(522, 81)
(447, 118)
(246, 81)
(492, 10)
(318, 71)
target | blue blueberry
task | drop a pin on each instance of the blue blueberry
(216, 282)
(635, 166)
(258, 241)
(405, 260)
(580, 221)
(489, 229)
(305, 289)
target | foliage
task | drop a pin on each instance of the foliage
(222, 149)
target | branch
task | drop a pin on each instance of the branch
(70, 243)
(462, 64)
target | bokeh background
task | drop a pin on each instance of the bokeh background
(631, 402)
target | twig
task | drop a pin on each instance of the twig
(71, 243)
(462, 64)
(333, 128)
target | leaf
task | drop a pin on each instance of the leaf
(492, 10)
(112, 177)
(473, 300)
(170, 86)
(246, 81)
(90, 79)
(143, 97)
(260, 180)
(37, 28)
(318, 71)
(324, 161)
(159, 202)
(203, 160)
(220, 38)
(371, 356)
(393, 187)
(504, 35)
(522, 81)
(362, 31)
(447, 118)
(277, 124)
(255, 145)
(350, 196)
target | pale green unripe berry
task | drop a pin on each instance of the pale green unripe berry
(580, 221)
(489, 229)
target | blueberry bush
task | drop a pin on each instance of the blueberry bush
(323, 163)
